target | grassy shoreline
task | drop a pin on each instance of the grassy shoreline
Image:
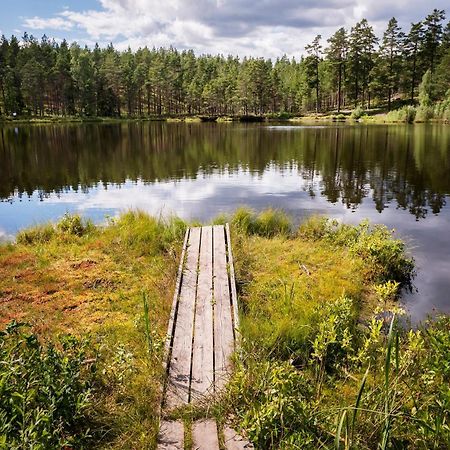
(393, 117)
(316, 306)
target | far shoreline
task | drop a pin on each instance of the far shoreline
(326, 118)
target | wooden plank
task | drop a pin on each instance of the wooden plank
(171, 436)
(223, 323)
(203, 351)
(180, 362)
(235, 442)
(172, 318)
(204, 435)
(234, 299)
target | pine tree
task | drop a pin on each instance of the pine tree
(337, 55)
(412, 53)
(390, 52)
(432, 37)
(312, 62)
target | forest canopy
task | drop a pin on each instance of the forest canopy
(352, 68)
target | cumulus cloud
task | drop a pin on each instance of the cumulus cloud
(57, 23)
(269, 28)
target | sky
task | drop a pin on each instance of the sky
(268, 28)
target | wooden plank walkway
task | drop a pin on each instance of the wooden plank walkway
(201, 336)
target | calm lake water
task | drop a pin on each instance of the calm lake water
(396, 175)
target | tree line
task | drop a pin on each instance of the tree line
(352, 68)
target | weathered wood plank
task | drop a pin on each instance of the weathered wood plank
(171, 436)
(223, 323)
(235, 442)
(234, 300)
(204, 435)
(203, 351)
(180, 361)
(172, 318)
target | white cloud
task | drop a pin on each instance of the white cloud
(268, 28)
(39, 23)
(4, 236)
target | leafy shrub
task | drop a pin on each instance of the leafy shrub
(267, 223)
(442, 109)
(44, 391)
(357, 113)
(424, 113)
(406, 114)
(74, 225)
(272, 401)
(333, 337)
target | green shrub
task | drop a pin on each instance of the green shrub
(442, 109)
(272, 400)
(44, 391)
(357, 113)
(332, 339)
(73, 224)
(424, 113)
(406, 114)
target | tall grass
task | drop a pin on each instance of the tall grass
(267, 223)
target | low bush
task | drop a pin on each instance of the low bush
(357, 113)
(272, 401)
(44, 391)
(406, 114)
(424, 113)
(73, 224)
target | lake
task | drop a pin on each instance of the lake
(398, 175)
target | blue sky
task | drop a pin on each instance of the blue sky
(267, 28)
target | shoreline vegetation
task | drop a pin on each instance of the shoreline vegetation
(323, 363)
(405, 115)
(404, 73)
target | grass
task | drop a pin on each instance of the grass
(322, 364)
(74, 278)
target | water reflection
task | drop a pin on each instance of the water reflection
(408, 164)
(398, 175)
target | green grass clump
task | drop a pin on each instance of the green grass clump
(145, 234)
(69, 225)
(424, 113)
(385, 256)
(45, 391)
(267, 223)
(36, 235)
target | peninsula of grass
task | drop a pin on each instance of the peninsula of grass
(323, 361)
